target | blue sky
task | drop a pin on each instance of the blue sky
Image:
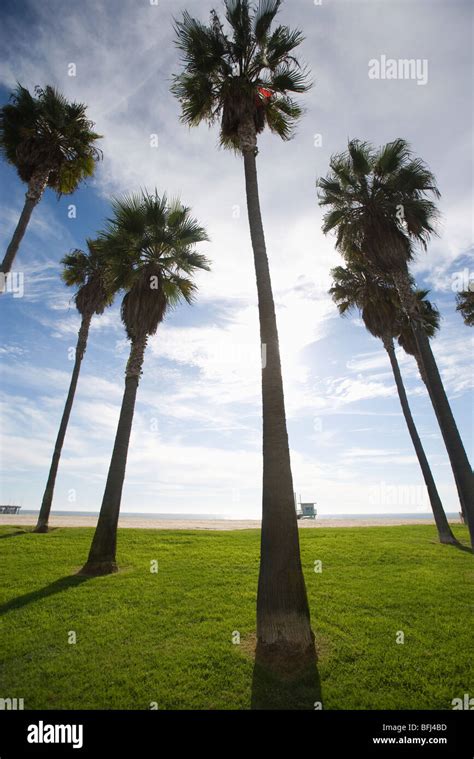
(197, 430)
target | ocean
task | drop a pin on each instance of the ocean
(185, 517)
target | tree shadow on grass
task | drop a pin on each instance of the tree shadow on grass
(14, 534)
(462, 547)
(30, 531)
(58, 586)
(278, 690)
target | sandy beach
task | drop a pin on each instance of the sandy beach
(202, 524)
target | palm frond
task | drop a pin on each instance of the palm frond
(237, 13)
(282, 116)
(286, 78)
(361, 157)
(263, 18)
(281, 44)
(391, 157)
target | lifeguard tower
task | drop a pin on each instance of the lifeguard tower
(305, 510)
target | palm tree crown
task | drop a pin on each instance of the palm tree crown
(45, 133)
(465, 304)
(355, 287)
(428, 320)
(245, 77)
(88, 272)
(150, 244)
(378, 202)
(378, 301)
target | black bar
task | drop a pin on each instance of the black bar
(318, 734)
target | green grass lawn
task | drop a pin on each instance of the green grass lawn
(167, 637)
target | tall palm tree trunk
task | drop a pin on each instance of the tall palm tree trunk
(102, 554)
(444, 531)
(36, 187)
(422, 373)
(457, 455)
(284, 636)
(43, 518)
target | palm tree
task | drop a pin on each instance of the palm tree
(88, 272)
(380, 309)
(379, 204)
(429, 320)
(51, 143)
(244, 78)
(151, 247)
(465, 304)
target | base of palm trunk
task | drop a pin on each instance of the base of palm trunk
(285, 659)
(41, 528)
(449, 540)
(285, 641)
(98, 568)
(285, 677)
